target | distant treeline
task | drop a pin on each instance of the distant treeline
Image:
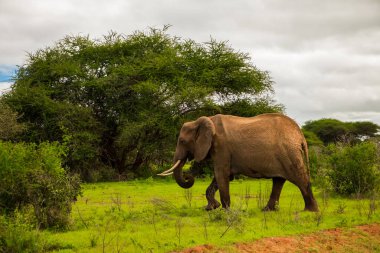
(325, 131)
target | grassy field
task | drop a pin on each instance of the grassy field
(159, 216)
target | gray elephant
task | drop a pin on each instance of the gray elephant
(266, 146)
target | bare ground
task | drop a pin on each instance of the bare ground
(364, 238)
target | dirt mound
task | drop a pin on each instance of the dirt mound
(199, 249)
(365, 238)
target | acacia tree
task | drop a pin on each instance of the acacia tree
(119, 101)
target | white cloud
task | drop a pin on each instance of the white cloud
(4, 87)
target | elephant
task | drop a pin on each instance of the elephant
(268, 146)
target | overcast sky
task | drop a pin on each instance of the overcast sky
(324, 56)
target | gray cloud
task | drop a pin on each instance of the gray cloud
(323, 83)
(324, 56)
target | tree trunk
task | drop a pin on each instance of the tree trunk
(139, 159)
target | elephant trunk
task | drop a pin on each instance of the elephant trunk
(183, 180)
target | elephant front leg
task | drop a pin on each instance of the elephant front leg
(210, 195)
(223, 181)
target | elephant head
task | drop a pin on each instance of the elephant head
(194, 142)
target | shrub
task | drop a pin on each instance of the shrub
(16, 235)
(319, 170)
(32, 175)
(354, 169)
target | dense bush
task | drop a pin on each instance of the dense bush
(354, 169)
(32, 176)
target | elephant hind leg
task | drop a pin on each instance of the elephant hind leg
(278, 183)
(310, 202)
(308, 197)
(302, 180)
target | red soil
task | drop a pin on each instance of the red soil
(365, 238)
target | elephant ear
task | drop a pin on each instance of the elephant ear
(205, 135)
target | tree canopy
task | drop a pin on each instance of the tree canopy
(333, 130)
(311, 138)
(118, 102)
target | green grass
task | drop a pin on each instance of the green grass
(156, 216)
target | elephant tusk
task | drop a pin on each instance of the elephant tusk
(171, 169)
(165, 174)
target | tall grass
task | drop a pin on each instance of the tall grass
(161, 218)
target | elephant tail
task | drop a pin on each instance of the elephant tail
(305, 156)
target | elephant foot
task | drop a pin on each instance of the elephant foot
(311, 205)
(311, 208)
(268, 209)
(271, 206)
(211, 206)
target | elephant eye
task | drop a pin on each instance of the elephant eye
(182, 141)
